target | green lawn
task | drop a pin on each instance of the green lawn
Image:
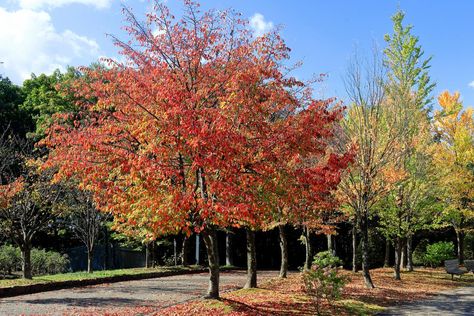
(85, 275)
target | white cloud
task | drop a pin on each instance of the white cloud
(471, 84)
(156, 32)
(47, 4)
(259, 25)
(30, 43)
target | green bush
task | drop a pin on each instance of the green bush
(323, 280)
(438, 252)
(10, 260)
(420, 252)
(48, 262)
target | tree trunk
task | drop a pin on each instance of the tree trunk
(284, 251)
(153, 250)
(398, 259)
(184, 251)
(365, 250)
(198, 250)
(26, 262)
(90, 259)
(386, 262)
(251, 261)
(460, 242)
(210, 240)
(309, 248)
(229, 259)
(175, 252)
(410, 253)
(106, 246)
(329, 241)
(354, 247)
(404, 254)
(147, 255)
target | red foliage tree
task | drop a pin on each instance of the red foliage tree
(178, 137)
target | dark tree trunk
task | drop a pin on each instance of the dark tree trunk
(398, 259)
(410, 253)
(106, 246)
(26, 262)
(386, 262)
(90, 260)
(284, 251)
(153, 258)
(309, 249)
(251, 261)
(229, 258)
(210, 240)
(354, 247)
(147, 255)
(175, 252)
(365, 250)
(460, 242)
(185, 251)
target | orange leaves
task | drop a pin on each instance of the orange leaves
(450, 102)
(8, 191)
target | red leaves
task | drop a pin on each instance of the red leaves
(198, 127)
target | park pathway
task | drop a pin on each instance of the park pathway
(459, 301)
(123, 298)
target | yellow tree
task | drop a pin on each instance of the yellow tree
(454, 130)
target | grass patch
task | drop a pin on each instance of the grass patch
(76, 276)
(359, 308)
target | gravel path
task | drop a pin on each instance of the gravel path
(123, 298)
(453, 302)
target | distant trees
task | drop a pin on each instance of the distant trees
(45, 95)
(85, 220)
(12, 117)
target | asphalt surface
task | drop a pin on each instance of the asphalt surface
(123, 298)
(459, 301)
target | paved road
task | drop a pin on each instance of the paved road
(122, 297)
(454, 302)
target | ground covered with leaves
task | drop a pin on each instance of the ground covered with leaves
(287, 297)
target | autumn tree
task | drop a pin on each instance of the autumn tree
(374, 126)
(454, 157)
(179, 133)
(28, 205)
(408, 89)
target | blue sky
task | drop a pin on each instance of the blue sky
(41, 35)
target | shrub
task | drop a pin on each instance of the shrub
(48, 262)
(323, 280)
(420, 252)
(438, 252)
(10, 260)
